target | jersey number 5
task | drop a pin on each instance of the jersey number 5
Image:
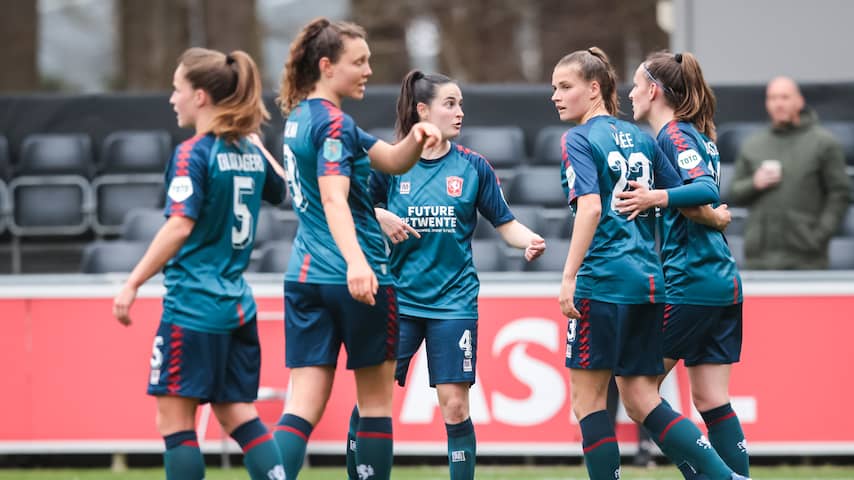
(241, 232)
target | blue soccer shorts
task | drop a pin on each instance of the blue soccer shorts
(451, 348)
(319, 318)
(703, 335)
(625, 339)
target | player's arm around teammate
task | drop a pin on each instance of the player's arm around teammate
(704, 312)
(611, 285)
(206, 348)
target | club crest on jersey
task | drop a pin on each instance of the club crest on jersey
(454, 186)
(404, 188)
(332, 149)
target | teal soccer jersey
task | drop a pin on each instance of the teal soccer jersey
(220, 186)
(600, 157)
(440, 198)
(322, 140)
(698, 266)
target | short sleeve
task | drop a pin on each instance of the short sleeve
(379, 183)
(336, 139)
(186, 179)
(684, 153)
(490, 198)
(366, 140)
(578, 175)
(665, 174)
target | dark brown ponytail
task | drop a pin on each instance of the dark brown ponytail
(593, 64)
(416, 88)
(685, 89)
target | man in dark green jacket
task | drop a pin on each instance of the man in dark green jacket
(792, 177)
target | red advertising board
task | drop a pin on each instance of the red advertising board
(75, 379)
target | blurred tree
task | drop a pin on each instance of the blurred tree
(626, 31)
(479, 39)
(18, 45)
(155, 32)
(386, 26)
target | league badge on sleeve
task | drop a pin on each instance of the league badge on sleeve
(332, 150)
(454, 186)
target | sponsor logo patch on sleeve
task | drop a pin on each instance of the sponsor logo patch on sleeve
(688, 159)
(180, 189)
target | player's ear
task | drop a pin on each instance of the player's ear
(423, 111)
(595, 90)
(201, 98)
(325, 66)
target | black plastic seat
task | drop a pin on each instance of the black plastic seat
(135, 152)
(487, 255)
(732, 135)
(275, 257)
(112, 257)
(142, 224)
(547, 147)
(503, 147)
(537, 186)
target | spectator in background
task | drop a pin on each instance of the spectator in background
(792, 178)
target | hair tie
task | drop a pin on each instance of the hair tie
(229, 59)
(590, 51)
(678, 57)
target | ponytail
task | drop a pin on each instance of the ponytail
(234, 85)
(685, 89)
(417, 87)
(320, 38)
(593, 64)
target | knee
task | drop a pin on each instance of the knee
(455, 410)
(636, 412)
(705, 401)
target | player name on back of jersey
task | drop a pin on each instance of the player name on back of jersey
(432, 218)
(244, 162)
(623, 139)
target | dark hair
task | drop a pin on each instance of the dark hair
(320, 38)
(234, 85)
(594, 65)
(684, 88)
(417, 87)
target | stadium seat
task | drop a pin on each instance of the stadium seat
(111, 257)
(553, 259)
(142, 224)
(56, 154)
(503, 147)
(736, 247)
(116, 194)
(265, 228)
(732, 135)
(487, 255)
(547, 147)
(484, 230)
(285, 226)
(726, 176)
(50, 205)
(275, 257)
(841, 253)
(5, 159)
(135, 152)
(561, 223)
(50, 194)
(537, 186)
(844, 134)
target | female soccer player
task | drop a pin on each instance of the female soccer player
(436, 202)
(612, 281)
(702, 318)
(338, 287)
(206, 348)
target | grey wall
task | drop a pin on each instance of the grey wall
(750, 41)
